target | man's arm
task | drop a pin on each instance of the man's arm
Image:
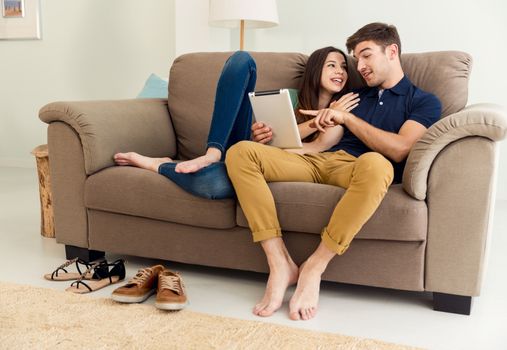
(394, 146)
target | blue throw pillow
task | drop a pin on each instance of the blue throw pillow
(155, 87)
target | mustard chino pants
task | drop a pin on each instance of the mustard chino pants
(251, 165)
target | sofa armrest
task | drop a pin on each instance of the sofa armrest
(107, 127)
(460, 200)
(485, 120)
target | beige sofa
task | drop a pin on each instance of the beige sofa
(429, 234)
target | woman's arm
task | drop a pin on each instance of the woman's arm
(305, 129)
(322, 143)
(262, 133)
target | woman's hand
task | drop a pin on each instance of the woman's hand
(261, 132)
(346, 103)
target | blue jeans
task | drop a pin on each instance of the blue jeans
(231, 123)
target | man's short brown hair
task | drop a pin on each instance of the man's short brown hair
(380, 33)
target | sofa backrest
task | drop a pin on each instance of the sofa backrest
(193, 79)
(192, 87)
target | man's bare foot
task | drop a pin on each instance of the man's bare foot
(283, 272)
(212, 155)
(303, 304)
(135, 159)
(280, 278)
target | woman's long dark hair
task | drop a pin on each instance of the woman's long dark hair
(308, 96)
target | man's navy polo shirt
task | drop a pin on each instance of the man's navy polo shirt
(388, 112)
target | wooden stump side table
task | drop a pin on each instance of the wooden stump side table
(47, 220)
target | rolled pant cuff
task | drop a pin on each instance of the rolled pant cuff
(331, 244)
(266, 234)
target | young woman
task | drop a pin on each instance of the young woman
(323, 85)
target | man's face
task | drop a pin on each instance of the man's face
(372, 62)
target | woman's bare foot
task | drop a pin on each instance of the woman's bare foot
(283, 272)
(212, 155)
(140, 161)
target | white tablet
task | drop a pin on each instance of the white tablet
(274, 108)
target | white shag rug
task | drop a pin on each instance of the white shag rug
(38, 318)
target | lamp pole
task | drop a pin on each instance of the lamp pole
(241, 34)
(254, 14)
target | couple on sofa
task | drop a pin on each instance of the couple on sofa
(355, 140)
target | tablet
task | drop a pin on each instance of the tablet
(275, 109)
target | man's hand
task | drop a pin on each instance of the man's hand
(335, 114)
(325, 118)
(261, 132)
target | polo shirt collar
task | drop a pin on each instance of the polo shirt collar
(373, 92)
(401, 88)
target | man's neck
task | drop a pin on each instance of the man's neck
(394, 78)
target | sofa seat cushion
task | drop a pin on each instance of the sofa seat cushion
(307, 207)
(139, 192)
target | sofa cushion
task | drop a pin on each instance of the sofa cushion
(139, 192)
(192, 87)
(307, 207)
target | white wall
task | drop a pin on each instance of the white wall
(96, 49)
(91, 49)
(193, 32)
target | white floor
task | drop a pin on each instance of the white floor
(393, 316)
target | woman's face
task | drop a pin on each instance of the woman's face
(334, 73)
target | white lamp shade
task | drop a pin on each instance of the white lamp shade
(255, 13)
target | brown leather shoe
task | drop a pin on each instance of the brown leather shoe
(140, 287)
(170, 291)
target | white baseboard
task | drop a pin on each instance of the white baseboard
(17, 162)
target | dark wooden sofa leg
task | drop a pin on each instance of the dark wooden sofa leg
(456, 304)
(87, 255)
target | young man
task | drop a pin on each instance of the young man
(378, 135)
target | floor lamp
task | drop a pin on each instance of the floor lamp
(243, 14)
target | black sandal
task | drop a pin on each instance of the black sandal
(57, 275)
(107, 277)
